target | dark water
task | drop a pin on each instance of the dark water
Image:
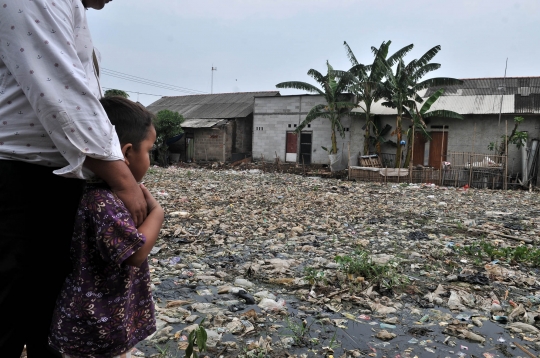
(414, 339)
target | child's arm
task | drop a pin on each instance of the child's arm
(149, 228)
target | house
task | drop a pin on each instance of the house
(217, 127)
(486, 104)
(275, 120)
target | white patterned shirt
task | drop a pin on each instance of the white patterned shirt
(49, 90)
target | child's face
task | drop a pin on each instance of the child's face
(138, 160)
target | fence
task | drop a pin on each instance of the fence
(460, 169)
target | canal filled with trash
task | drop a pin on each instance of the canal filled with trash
(281, 265)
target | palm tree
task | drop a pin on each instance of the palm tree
(400, 90)
(337, 105)
(367, 82)
(418, 116)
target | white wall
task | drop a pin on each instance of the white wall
(271, 119)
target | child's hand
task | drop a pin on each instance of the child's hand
(150, 201)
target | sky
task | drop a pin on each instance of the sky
(255, 44)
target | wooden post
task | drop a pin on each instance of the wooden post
(277, 161)
(412, 153)
(205, 154)
(506, 159)
(262, 156)
(303, 165)
(442, 153)
(471, 156)
(386, 176)
(348, 161)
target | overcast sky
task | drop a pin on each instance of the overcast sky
(256, 44)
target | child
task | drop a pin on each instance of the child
(105, 306)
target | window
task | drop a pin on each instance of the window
(290, 126)
(309, 125)
(259, 128)
(295, 126)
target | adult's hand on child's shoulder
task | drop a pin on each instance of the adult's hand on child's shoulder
(123, 184)
(135, 201)
(151, 202)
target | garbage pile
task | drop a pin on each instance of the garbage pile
(282, 265)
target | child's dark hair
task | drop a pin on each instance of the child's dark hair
(131, 120)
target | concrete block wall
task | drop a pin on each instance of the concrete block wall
(208, 143)
(271, 120)
(244, 134)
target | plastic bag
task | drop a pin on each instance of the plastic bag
(269, 304)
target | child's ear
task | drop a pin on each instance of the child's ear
(127, 149)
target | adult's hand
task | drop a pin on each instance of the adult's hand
(118, 176)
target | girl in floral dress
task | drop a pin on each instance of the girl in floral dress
(105, 306)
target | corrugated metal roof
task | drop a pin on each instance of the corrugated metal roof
(483, 96)
(217, 106)
(459, 104)
(488, 91)
(202, 122)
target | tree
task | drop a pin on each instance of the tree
(168, 125)
(337, 104)
(400, 90)
(518, 138)
(367, 84)
(418, 116)
(116, 92)
(379, 133)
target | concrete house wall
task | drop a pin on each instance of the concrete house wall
(463, 137)
(273, 117)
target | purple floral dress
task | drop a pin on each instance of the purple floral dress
(105, 306)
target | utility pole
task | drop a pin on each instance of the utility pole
(212, 83)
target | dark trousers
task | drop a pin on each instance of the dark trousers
(37, 212)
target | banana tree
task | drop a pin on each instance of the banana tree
(337, 103)
(367, 82)
(378, 138)
(417, 117)
(400, 90)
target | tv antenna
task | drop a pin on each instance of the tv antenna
(212, 83)
(504, 89)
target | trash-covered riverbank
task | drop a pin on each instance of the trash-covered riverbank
(280, 265)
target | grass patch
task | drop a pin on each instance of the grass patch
(361, 264)
(486, 250)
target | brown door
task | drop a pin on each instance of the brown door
(419, 148)
(291, 147)
(438, 148)
(292, 142)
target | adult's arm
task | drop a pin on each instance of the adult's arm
(47, 50)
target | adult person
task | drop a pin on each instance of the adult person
(53, 134)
